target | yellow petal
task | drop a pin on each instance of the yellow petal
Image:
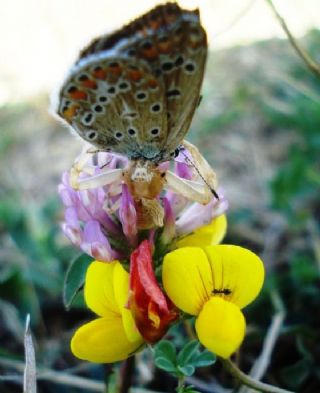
(121, 292)
(187, 278)
(237, 270)
(206, 235)
(98, 289)
(103, 341)
(220, 327)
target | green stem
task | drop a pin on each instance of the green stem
(180, 383)
(246, 380)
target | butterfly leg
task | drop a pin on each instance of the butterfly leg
(105, 177)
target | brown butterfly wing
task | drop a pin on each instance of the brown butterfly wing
(115, 104)
(168, 47)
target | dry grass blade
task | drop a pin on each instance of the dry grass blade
(30, 377)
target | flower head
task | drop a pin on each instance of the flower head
(106, 294)
(104, 221)
(214, 283)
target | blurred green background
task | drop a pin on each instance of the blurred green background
(259, 126)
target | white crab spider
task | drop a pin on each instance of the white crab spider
(146, 180)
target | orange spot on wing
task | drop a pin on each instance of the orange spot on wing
(69, 113)
(78, 95)
(152, 83)
(90, 84)
(165, 47)
(134, 75)
(115, 71)
(150, 54)
(99, 74)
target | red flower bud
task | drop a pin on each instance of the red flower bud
(151, 308)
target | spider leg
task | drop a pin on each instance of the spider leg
(106, 176)
(202, 167)
(198, 192)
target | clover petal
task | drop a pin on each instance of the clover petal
(99, 289)
(103, 340)
(206, 235)
(236, 270)
(220, 326)
(187, 278)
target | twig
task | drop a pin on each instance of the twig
(60, 378)
(245, 379)
(260, 366)
(63, 378)
(30, 371)
(312, 65)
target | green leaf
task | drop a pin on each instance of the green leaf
(204, 359)
(186, 370)
(165, 364)
(74, 278)
(167, 350)
(188, 352)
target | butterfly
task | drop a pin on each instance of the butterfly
(134, 92)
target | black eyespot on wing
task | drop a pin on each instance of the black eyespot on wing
(103, 99)
(111, 90)
(155, 108)
(141, 96)
(83, 78)
(123, 85)
(98, 108)
(167, 66)
(189, 67)
(173, 93)
(179, 61)
(72, 89)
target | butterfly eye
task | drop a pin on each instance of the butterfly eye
(111, 90)
(141, 96)
(118, 135)
(154, 131)
(91, 135)
(189, 67)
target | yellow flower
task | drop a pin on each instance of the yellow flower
(213, 283)
(113, 336)
(206, 235)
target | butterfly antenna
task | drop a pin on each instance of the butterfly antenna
(199, 173)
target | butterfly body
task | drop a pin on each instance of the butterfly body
(134, 91)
